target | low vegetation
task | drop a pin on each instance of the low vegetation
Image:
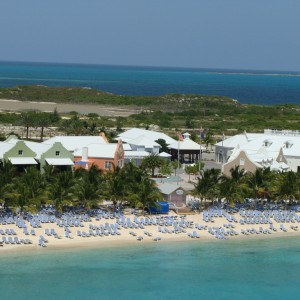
(28, 190)
(263, 184)
(190, 112)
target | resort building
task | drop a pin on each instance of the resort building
(25, 153)
(276, 149)
(141, 143)
(132, 134)
(73, 143)
(224, 149)
(187, 149)
(105, 156)
(173, 194)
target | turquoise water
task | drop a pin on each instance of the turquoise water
(251, 269)
(261, 87)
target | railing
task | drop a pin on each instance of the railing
(282, 132)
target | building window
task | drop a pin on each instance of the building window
(20, 152)
(288, 145)
(107, 165)
(57, 153)
(242, 162)
(267, 143)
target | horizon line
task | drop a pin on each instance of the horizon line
(147, 66)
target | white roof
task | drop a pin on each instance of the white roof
(186, 144)
(99, 150)
(22, 160)
(126, 147)
(255, 141)
(59, 161)
(73, 143)
(239, 139)
(4, 147)
(164, 154)
(37, 148)
(149, 134)
(135, 154)
(275, 143)
(168, 188)
(143, 141)
(276, 166)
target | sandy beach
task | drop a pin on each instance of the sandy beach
(61, 241)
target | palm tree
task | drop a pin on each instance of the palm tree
(151, 162)
(33, 180)
(165, 168)
(289, 186)
(189, 170)
(88, 185)
(28, 120)
(234, 187)
(87, 193)
(147, 195)
(175, 166)
(115, 187)
(42, 120)
(60, 191)
(208, 139)
(260, 180)
(207, 185)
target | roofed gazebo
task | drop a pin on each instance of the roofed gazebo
(187, 149)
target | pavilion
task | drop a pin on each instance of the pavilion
(188, 150)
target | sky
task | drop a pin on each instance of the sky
(230, 34)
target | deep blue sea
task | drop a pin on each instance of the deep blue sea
(260, 87)
(221, 270)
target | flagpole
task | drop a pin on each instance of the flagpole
(178, 154)
(200, 156)
(200, 153)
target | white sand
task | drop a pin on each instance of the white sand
(125, 237)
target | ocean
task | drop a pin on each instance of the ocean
(245, 269)
(246, 86)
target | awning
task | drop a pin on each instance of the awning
(80, 162)
(59, 161)
(22, 160)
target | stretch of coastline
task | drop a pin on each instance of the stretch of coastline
(253, 87)
(108, 230)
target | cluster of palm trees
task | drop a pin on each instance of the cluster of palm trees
(29, 190)
(262, 184)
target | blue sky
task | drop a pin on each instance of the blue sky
(237, 34)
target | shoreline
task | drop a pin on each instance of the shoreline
(126, 239)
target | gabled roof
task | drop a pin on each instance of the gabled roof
(99, 150)
(168, 188)
(126, 147)
(135, 154)
(4, 147)
(149, 134)
(38, 148)
(186, 144)
(143, 141)
(239, 139)
(73, 143)
(164, 154)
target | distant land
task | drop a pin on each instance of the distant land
(217, 113)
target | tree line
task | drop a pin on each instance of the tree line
(30, 190)
(240, 185)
